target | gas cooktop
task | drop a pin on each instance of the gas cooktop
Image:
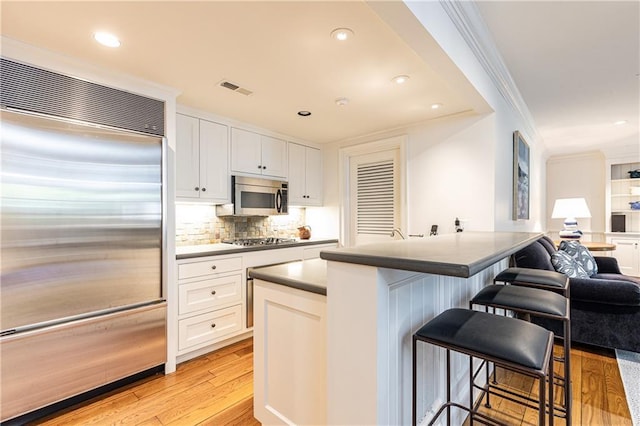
(247, 242)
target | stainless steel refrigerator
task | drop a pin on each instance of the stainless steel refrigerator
(81, 301)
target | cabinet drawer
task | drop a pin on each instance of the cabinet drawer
(209, 267)
(208, 328)
(209, 293)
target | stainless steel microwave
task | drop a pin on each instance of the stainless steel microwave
(255, 197)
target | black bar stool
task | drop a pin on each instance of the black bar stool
(538, 303)
(537, 278)
(507, 342)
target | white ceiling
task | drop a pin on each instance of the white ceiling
(575, 63)
(281, 51)
(577, 66)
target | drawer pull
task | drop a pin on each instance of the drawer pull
(213, 267)
(213, 325)
(213, 292)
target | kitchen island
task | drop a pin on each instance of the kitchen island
(289, 341)
(377, 295)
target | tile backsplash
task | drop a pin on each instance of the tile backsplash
(198, 224)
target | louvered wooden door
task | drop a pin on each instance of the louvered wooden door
(374, 196)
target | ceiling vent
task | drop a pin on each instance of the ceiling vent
(232, 86)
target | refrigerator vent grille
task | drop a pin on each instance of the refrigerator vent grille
(28, 88)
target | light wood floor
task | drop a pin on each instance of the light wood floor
(217, 389)
(598, 392)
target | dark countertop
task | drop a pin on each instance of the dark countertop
(308, 275)
(202, 250)
(458, 255)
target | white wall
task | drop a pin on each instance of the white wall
(578, 176)
(506, 119)
(459, 166)
(584, 174)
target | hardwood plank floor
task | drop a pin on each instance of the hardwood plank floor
(217, 389)
(214, 389)
(598, 394)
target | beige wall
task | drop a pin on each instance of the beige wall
(578, 175)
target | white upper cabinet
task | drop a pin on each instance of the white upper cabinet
(202, 152)
(305, 175)
(187, 156)
(274, 157)
(257, 154)
(214, 161)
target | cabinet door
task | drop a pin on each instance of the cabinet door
(187, 156)
(313, 176)
(214, 166)
(274, 157)
(245, 152)
(627, 253)
(297, 175)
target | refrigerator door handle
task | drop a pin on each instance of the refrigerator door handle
(65, 320)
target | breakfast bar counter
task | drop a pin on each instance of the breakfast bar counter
(458, 255)
(350, 318)
(378, 295)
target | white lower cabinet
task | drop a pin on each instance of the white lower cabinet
(289, 361)
(210, 293)
(207, 328)
(212, 296)
(210, 301)
(209, 267)
(627, 253)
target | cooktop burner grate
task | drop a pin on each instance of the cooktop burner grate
(260, 241)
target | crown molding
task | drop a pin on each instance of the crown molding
(469, 22)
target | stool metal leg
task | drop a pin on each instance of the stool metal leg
(448, 386)
(551, 402)
(567, 372)
(471, 403)
(415, 373)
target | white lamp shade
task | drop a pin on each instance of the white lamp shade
(570, 207)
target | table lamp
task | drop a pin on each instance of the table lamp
(570, 209)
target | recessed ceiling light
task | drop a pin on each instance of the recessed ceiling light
(342, 34)
(620, 122)
(304, 113)
(106, 39)
(400, 79)
(436, 106)
(342, 101)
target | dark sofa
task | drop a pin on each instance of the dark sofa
(605, 309)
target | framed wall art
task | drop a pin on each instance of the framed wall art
(521, 177)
